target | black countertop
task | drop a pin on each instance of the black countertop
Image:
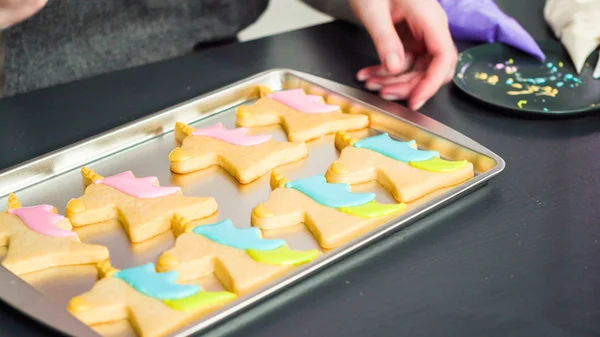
(520, 257)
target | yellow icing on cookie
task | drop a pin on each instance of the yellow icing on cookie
(199, 300)
(439, 165)
(75, 206)
(373, 209)
(283, 256)
(179, 155)
(262, 211)
(167, 260)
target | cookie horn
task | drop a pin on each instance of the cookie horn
(182, 131)
(105, 269)
(89, 176)
(343, 139)
(13, 202)
(277, 179)
(263, 91)
(180, 225)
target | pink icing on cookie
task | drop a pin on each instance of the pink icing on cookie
(299, 100)
(235, 136)
(145, 188)
(41, 220)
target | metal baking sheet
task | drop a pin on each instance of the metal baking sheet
(143, 147)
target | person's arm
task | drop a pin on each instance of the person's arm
(15, 11)
(339, 9)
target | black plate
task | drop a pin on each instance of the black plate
(580, 94)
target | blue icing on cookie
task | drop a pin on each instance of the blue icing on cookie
(160, 286)
(330, 195)
(224, 233)
(402, 151)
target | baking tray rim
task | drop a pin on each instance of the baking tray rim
(30, 302)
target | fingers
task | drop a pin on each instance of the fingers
(376, 83)
(441, 50)
(13, 12)
(401, 90)
(377, 18)
(380, 71)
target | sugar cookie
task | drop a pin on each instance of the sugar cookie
(144, 208)
(303, 117)
(405, 171)
(153, 303)
(239, 258)
(39, 238)
(245, 157)
(331, 212)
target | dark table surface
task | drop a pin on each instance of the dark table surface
(520, 257)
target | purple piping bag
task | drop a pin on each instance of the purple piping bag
(484, 21)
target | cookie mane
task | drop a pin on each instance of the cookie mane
(236, 136)
(299, 100)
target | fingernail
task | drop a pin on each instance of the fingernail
(390, 97)
(419, 105)
(392, 62)
(362, 77)
(373, 86)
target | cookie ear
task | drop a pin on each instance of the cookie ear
(182, 131)
(263, 91)
(343, 139)
(277, 179)
(105, 269)
(89, 176)
(13, 202)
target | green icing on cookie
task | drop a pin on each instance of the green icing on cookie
(373, 209)
(439, 165)
(201, 299)
(283, 256)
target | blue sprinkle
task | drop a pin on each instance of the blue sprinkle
(540, 80)
(552, 78)
(576, 80)
(571, 85)
(568, 76)
(545, 109)
(554, 70)
(509, 81)
(530, 80)
(549, 65)
(559, 84)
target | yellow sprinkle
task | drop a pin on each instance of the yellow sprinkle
(493, 80)
(511, 61)
(521, 103)
(517, 85)
(550, 92)
(560, 64)
(459, 75)
(534, 88)
(481, 76)
(522, 92)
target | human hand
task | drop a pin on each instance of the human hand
(414, 45)
(15, 11)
